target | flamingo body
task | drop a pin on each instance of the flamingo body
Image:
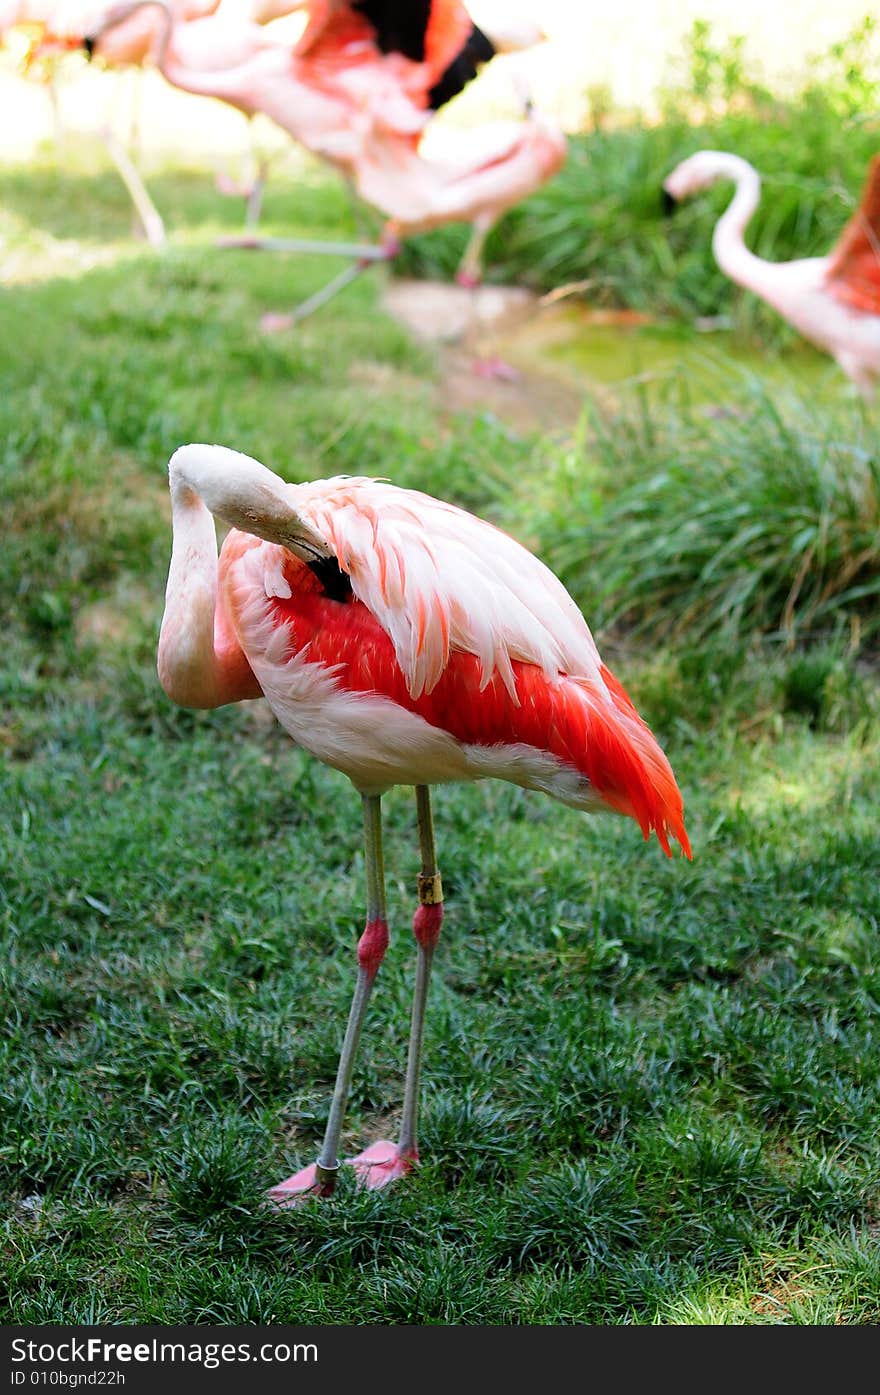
(432, 46)
(359, 108)
(829, 316)
(440, 650)
(331, 674)
(400, 640)
(833, 301)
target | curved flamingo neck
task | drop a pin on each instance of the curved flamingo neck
(119, 13)
(186, 639)
(200, 84)
(728, 245)
(200, 662)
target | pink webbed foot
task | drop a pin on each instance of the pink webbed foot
(382, 1163)
(243, 242)
(302, 1186)
(469, 279)
(231, 188)
(495, 368)
(273, 323)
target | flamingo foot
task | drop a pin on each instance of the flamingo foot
(225, 184)
(302, 1186)
(274, 323)
(247, 242)
(375, 1167)
(495, 368)
(469, 279)
(381, 1163)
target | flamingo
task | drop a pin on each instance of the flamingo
(430, 52)
(833, 301)
(35, 31)
(58, 26)
(22, 24)
(362, 111)
(209, 38)
(437, 48)
(400, 640)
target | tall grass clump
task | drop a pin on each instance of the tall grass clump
(759, 519)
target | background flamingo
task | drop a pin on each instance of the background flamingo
(24, 23)
(209, 38)
(220, 35)
(56, 27)
(834, 301)
(402, 641)
(363, 112)
(372, 53)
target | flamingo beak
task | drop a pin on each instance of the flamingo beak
(88, 44)
(669, 202)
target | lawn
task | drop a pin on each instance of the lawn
(651, 1091)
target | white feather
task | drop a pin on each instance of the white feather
(468, 586)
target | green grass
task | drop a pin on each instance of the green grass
(651, 1086)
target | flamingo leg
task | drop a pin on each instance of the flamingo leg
(135, 112)
(58, 134)
(321, 297)
(470, 274)
(253, 184)
(363, 255)
(357, 207)
(254, 204)
(470, 268)
(320, 1178)
(273, 323)
(360, 251)
(382, 1162)
(258, 173)
(150, 218)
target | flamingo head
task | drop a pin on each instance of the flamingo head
(697, 172)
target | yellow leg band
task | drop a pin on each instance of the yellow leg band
(430, 890)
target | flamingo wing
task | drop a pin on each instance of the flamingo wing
(854, 264)
(439, 579)
(458, 603)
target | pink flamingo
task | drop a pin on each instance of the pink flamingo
(834, 301)
(59, 26)
(433, 49)
(209, 38)
(386, 59)
(401, 641)
(24, 20)
(39, 28)
(361, 111)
